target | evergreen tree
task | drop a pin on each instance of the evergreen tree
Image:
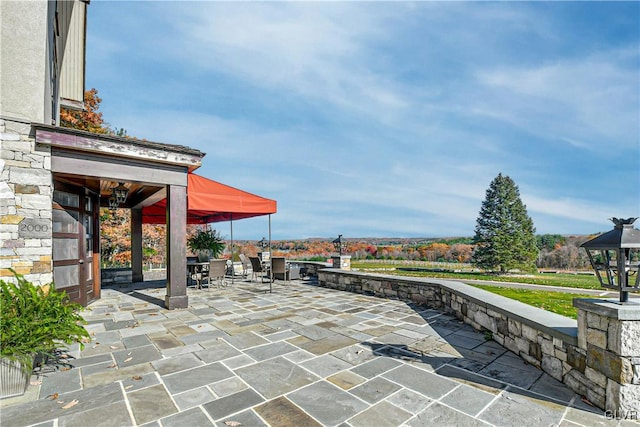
(504, 233)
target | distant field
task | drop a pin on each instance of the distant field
(444, 271)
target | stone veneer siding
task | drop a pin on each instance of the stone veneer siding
(583, 361)
(26, 192)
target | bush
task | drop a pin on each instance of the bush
(35, 320)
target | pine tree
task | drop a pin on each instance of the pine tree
(504, 233)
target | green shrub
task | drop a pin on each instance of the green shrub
(206, 240)
(36, 320)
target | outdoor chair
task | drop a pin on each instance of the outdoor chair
(197, 273)
(256, 267)
(245, 265)
(217, 271)
(280, 269)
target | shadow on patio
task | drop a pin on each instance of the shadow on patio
(302, 355)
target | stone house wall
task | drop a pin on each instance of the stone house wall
(575, 353)
(26, 193)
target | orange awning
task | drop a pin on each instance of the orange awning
(210, 201)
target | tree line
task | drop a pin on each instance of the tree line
(555, 251)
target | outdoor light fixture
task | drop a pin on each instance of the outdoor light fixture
(263, 243)
(120, 193)
(113, 203)
(118, 196)
(615, 257)
(339, 244)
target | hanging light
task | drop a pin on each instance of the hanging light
(113, 203)
(120, 193)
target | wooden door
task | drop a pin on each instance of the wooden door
(75, 233)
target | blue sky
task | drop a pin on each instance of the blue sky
(385, 119)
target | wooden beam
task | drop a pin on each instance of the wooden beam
(116, 169)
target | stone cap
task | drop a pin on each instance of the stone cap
(609, 307)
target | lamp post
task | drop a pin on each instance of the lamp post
(264, 255)
(263, 243)
(339, 244)
(341, 261)
(615, 257)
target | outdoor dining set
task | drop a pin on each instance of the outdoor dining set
(221, 271)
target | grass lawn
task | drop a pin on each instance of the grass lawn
(565, 280)
(556, 302)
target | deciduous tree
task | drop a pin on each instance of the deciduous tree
(89, 119)
(504, 233)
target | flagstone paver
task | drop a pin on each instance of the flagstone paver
(299, 356)
(327, 403)
(151, 403)
(281, 412)
(275, 377)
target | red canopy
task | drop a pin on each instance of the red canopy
(209, 201)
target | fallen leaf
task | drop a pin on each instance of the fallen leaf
(233, 423)
(585, 400)
(36, 382)
(128, 359)
(136, 377)
(71, 404)
(53, 396)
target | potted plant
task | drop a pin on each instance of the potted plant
(206, 244)
(34, 320)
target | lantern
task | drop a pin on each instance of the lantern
(615, 257)
(340, 244)
(120, 193)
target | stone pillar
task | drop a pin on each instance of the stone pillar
(609, 332)
(342, 262)
(26, 196)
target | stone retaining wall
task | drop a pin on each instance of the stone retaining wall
(115, 276)
(26, 193)
(576, 353)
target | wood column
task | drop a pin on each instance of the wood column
(136, 245)
(176, 247)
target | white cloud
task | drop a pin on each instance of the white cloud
(588, 99)
(378, 116)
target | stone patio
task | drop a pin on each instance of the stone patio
(299, 356)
